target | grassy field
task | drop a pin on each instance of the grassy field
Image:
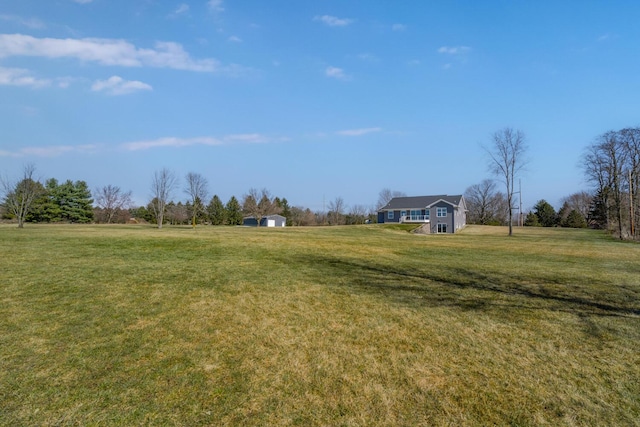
(353, 326)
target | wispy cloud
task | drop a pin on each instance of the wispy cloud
(367, 57)
(170, 142)
(116, 85)
(215, 6)
(166, 142)
(83, 1)
(358, 132)
(398, 27)
(33, 23)
(336, 73)
(181, 10)
(176, 142)
(105, 52)
(235, 39)
(20, 77)
(454, 50)
(49, 151)
(607, 37)
(333, 21)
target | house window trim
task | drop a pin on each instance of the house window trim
(440, 227)
(390, 215)
(439, 211)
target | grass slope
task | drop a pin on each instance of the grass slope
(354, 326)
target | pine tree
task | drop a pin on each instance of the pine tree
(545, 213)
(576, 220)
(234, 212)
(532, 220)
(216, 210)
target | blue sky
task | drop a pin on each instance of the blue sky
(312, 100)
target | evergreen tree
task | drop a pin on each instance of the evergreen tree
(234, 212)
(563, 214)
(285, 209)
(142, 213)
(599, 211)
(532, 220)
(69, 201)
(576, 220)
(216, 211)
(545, 213)
(75, 202)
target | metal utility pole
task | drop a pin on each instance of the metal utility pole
(520, 220)
(519, 193)
(632, 218)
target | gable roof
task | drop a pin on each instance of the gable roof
(275, 216)
(421, 202)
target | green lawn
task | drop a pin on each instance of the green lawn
(353, 326)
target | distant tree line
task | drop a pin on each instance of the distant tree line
(611, 164)
(28, 200)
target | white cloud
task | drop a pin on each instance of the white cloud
(336, 73)
(170, 142)
(398, 27)
(367, 57)
(105, 52)
(454, 50)
(215, 5)
(235, 39)
(358, 132)
(181, 10)
(20, 77)
(607, 37)
(49, 151)
(116, 85)
(33, 23)
(248, 138)
(333, 21)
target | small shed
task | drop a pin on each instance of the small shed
(265, 221)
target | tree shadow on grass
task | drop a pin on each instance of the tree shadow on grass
(474, 290)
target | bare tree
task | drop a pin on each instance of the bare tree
(301, 216)
(176, 213)
(485, 203)
(357, 214)
(259, 204)
(197, 190)
(386, 195)
(19, 196)
(580, 202)
(631, 141)
(111, 199)
(604, 166)
(336, 211)
(507, 154)
(162, 186)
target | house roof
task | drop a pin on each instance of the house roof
(421, 202)
(266, 216)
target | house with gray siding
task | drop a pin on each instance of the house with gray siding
(444, 214)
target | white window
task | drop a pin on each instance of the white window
(403, 214)
(441, 212)
(390, 215)
(442, 228)
(427, 213)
